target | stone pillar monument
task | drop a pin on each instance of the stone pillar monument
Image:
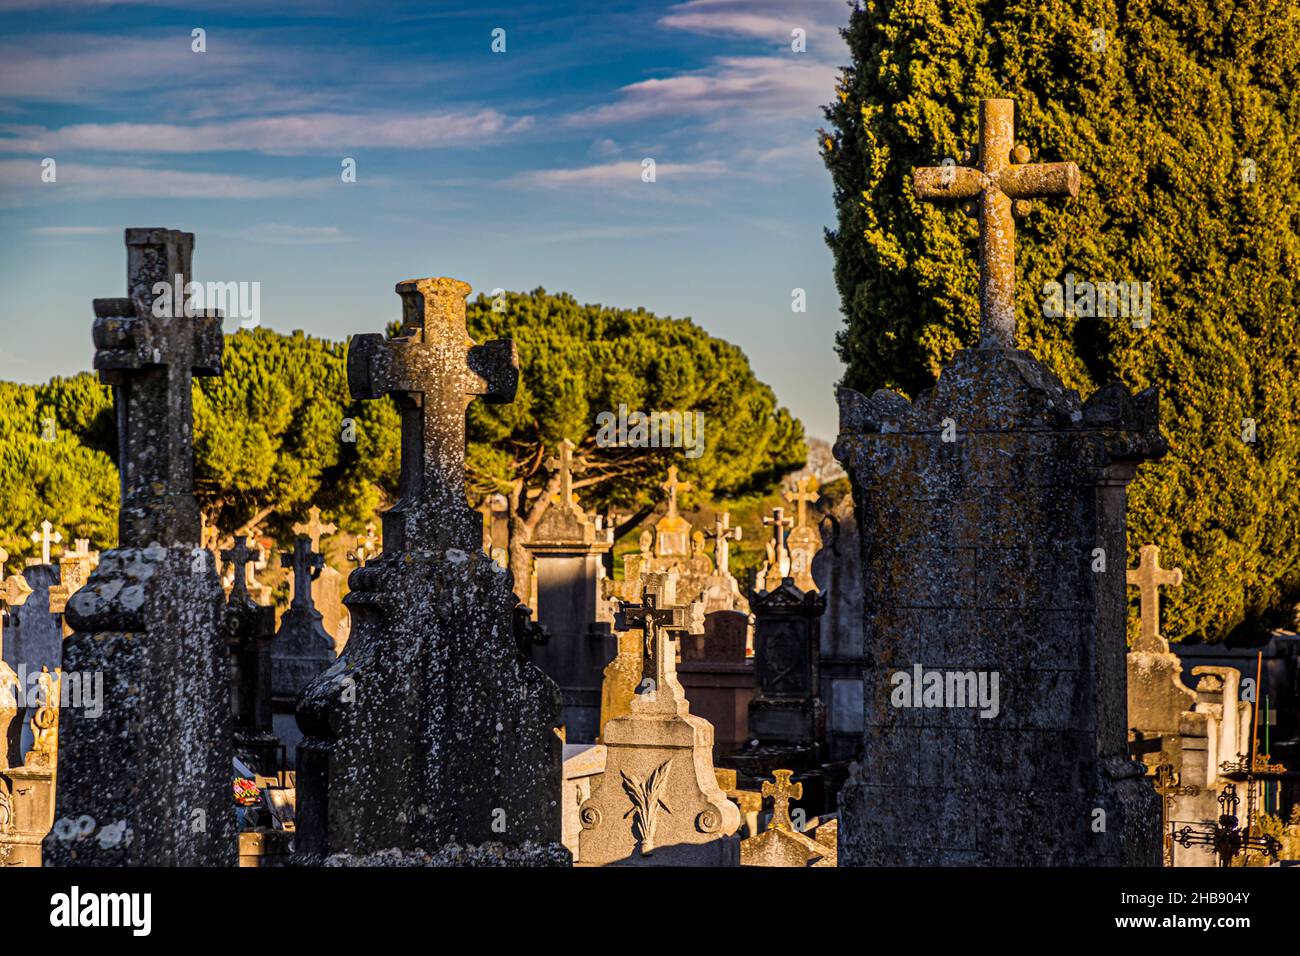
(432, 739)
(567, 555)
(994, 684)
(149, 778)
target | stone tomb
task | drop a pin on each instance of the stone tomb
(567, 550)
(147, 781)
(981, 506)
(432, 739)
(658, 802)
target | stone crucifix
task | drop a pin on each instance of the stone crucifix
(434, 370)
(782, 792)
(805, 494)
(567, 466)
(238, 558)
(1148, 577)
(149, 351)
(307, 565)
(313, 528)
(723, 535)
(45, 537)
(1002, 177)
(662, 620)
(778, 523)
(673, 486)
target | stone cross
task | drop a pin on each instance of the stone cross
(307, 565)
(782, 792)
(313, 528)
(1003, 175)
(238, 557)
(805, 493)
(672, 486)
(567, 468)
(45, 538)
(661, 619)
(778, 523)
(723, 535)
(434, 370)
(366, 547)
(1148, 577)
(149, 355)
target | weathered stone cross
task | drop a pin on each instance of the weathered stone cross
(434, 370)
(672, 486)
(1003, 175)
(313, 528)
(1148, 577)
(778, 522)
(723, 535)
(567, 467)
(805, 493)
(150, 360)
(307, 565)
(782, 792)
(238, 558)
(45, 539)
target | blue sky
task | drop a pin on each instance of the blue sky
(513, 170)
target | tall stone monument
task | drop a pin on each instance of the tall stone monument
(658, 802)
(250, 628)
(302, 649)
(148, 779)
(327, 585)
(567, 551)
(432, 739)
(994, 685)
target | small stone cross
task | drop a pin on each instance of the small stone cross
(805, 493)
(45, 538)
(238, 557)
(673, 486)
(662, 620)
(307, 565)
(1003, 175)
(778, 523)
(567, 466)
(1148, 577)
(313, 528)
(782, 792)
(723, 535)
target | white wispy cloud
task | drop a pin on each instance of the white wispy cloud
(284, 234)
(20, 184)
(282, 135)
(760, 19)
(616, 174)
(72, 230)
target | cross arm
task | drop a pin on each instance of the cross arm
(497, 363)
(947, 182)
(369, 376)
(1035, 180)
(126, 338)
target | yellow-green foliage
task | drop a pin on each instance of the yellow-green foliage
(1168, 108)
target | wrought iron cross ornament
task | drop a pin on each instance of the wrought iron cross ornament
(1003, 175)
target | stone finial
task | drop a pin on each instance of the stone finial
(149, 359)
(307, 565)
(804, 494)
(1002, 177)
(782, 792)
(1148, 577)
(313, 528)
(45, 537)
(434, 370)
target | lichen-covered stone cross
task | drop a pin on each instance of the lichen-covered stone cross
(307, 565)
(434, 370)
(150, 355)
(782, 792)
(673, 486)
(1003, 175)
(313, 528)
(567, 468)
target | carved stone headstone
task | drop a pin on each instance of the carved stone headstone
(568, 572)
(721, 590)
(250, 628)
(980, 507)
(149, 777)
(327, 586)
(432, 739)
(837, 571)
(35, 639)
(804, 540)
(658, 802)
(302, 650)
